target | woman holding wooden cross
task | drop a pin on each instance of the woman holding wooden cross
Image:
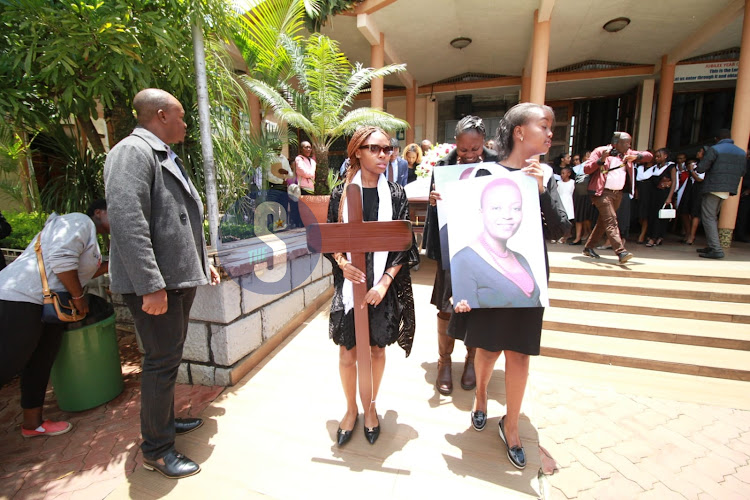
(389, 297)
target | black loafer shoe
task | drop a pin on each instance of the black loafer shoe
(579, 242)
(176, 466)
(478, 420)
(372, 434)
(590, 252)
(624, 257)
(516, 455)
(703, 250)
(342, 436)
(185, 425)
(712, 255)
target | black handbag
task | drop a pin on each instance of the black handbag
(58, 306)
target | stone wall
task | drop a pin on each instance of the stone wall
(257, 299)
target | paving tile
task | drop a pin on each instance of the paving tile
(635, 449)
(722, 431)
(560, 452)
(596, 440)
(743, 473)
(716, 448)
(685, 425)
(573, 479)
(668, 458)
(660, 492)
(98, 489)
(651, 418)
(678, 484)
(616, 487)
(630, 471)
(52, 471)
(744, 438)
(737, 486)
(592, 462)
(556, 494)
(713, 466)
(687, 446)
(706, 483)
(10, 483)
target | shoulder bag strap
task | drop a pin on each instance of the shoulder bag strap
(38, 249)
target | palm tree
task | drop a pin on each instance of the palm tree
(316, 94)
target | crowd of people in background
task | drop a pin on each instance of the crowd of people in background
(665, 181)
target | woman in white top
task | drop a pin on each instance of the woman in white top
(71, 256)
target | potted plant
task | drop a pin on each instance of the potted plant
(317, 95)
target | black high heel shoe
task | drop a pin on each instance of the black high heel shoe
(372, 434)
(342, 436)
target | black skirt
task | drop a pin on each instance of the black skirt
(583, 208)
(511, 329)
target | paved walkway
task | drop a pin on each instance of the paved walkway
(615, 432)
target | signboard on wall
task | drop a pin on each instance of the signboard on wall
(703, 72)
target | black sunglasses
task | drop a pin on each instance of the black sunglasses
(376, 149)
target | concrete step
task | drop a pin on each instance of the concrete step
(641, 327)
(676, 358)
(729, 312)
(659, 287)
(666, 272)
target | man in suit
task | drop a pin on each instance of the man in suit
(398, 168)
(724, 166)
(158, 258)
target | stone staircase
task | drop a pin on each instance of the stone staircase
(688, 324)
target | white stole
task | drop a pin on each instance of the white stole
(385, 213)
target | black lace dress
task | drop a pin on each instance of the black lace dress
(393, 319)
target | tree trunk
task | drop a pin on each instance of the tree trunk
(121, 119)
(89, 130)
(23, 173)
(321, 172)
(207, 147)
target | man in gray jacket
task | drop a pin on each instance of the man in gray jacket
(157, 259)
(724, 165)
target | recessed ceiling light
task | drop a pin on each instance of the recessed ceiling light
(617, 24)
(461, 42)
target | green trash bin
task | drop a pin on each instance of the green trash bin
(87, 371)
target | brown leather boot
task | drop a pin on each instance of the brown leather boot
(469, 378)
(444, 382)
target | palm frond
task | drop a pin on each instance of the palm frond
(361, 77)
(367, 116)
(280, 106)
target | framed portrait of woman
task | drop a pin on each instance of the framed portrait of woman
(496, 244)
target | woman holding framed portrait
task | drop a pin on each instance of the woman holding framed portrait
(524, 132)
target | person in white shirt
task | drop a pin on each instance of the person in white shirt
(71, 256)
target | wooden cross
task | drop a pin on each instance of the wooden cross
(358, 238)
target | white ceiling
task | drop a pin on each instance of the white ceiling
(419, 31)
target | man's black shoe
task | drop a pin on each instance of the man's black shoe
(590, 252)
(624, 257)
(176, 466)
(703, 250)
(712, 255)
(185, 425)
